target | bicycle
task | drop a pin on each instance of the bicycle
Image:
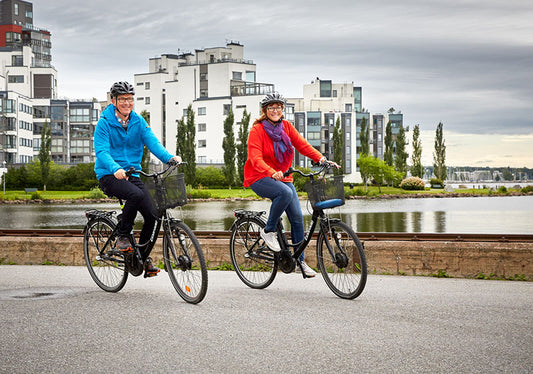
(340, 254)
(183, 257)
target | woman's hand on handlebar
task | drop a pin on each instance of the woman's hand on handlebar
(278, 175)
(176, 160)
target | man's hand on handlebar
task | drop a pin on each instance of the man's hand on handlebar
(121, 174)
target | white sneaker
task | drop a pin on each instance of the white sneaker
(271, 240)
(308, 271)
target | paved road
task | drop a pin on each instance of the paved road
(56, 320)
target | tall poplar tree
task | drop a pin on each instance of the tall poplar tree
(242, 145)
(228, 145)
(185, 144)
(364, 137)
(338, 147)
(388, 155)
(44, 153)
(400, 161)
(417, 170)
(439, 156)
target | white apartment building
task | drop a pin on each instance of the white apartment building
(212, 80)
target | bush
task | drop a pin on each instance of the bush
(502, 190)
(526, 189)
(412, 183)
(96, 193)
(436, 183)
(210, 177)
(355, 192)
(36, 196)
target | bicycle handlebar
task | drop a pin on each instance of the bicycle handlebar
(323, 167)
(171, 164)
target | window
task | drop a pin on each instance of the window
(250, 76)
(79, 115)
(325, 88)
(202, 159)
(15, 79)
(348, 107)
(203, 92)
(16, 9)
(201, 111)
(147, 86)
(237, 76)
(227, 108)
(334, 93)
(201, 127)
(203, 76)
(185, 112)
(201, 143)
(312, 135)
(17, 60)
(12, 37)
(147, 100)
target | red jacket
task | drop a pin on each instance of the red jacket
(262, 161)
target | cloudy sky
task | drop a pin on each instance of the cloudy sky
(467, 64)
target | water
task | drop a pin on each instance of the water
(476, 215)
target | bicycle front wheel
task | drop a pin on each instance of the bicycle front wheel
(252, 260)
(341, 260)
(104, 262)
(185, 262)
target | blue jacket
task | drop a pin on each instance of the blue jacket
(117, 148)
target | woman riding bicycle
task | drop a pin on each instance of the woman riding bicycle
(270, 154)
(118, 142)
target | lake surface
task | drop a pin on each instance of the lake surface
(475, 215)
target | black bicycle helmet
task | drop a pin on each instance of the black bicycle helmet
(273, 98)
(121, 88)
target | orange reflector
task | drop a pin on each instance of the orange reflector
(188, 288)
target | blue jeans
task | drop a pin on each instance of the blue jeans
(284, 199)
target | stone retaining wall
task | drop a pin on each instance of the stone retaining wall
(456, 259)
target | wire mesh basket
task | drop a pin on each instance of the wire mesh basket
(326, 192)
(169, 192)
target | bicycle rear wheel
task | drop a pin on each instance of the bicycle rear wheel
(344, 268)
(104, 262)
(185, 262)
(252, 260)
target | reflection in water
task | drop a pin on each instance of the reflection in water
(501, 215)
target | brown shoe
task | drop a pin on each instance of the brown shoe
(149, 269)
(124, 244)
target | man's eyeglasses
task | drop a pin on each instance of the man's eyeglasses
(125, 99)
(275, 109)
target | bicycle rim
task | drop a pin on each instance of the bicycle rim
(106, 268)
(345, 271)
(185, 262)
(252, 260)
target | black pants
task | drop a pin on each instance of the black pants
(137, 200)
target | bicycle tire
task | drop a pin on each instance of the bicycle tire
(254, 263)
(185, 262)
(106, 269)
(345, 274)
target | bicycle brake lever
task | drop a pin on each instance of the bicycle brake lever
(130, 171)
(288, 172)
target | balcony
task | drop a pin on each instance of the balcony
(241, 88)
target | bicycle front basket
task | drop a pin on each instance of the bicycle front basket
(326, 192)
(169, 193)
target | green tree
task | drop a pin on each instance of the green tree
(400, 161)
(44, 153)
(364, 137)
(417, 170)
(364, 162)
(507, 175)
(242, 145)
(439, 156)
(388, 155)
(145, 162)
(228, 145)
(185, 146)
(338, 147)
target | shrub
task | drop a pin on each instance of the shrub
(526, 189)
(96, 193)
(412, 183)
(355, 192)
(36, 196)
(210, 177)
(436, 183)
(502, 190)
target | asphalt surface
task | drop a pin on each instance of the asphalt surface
(56, 320)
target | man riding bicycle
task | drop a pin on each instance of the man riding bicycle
(119, 138)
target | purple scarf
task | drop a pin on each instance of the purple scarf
(282, 143)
